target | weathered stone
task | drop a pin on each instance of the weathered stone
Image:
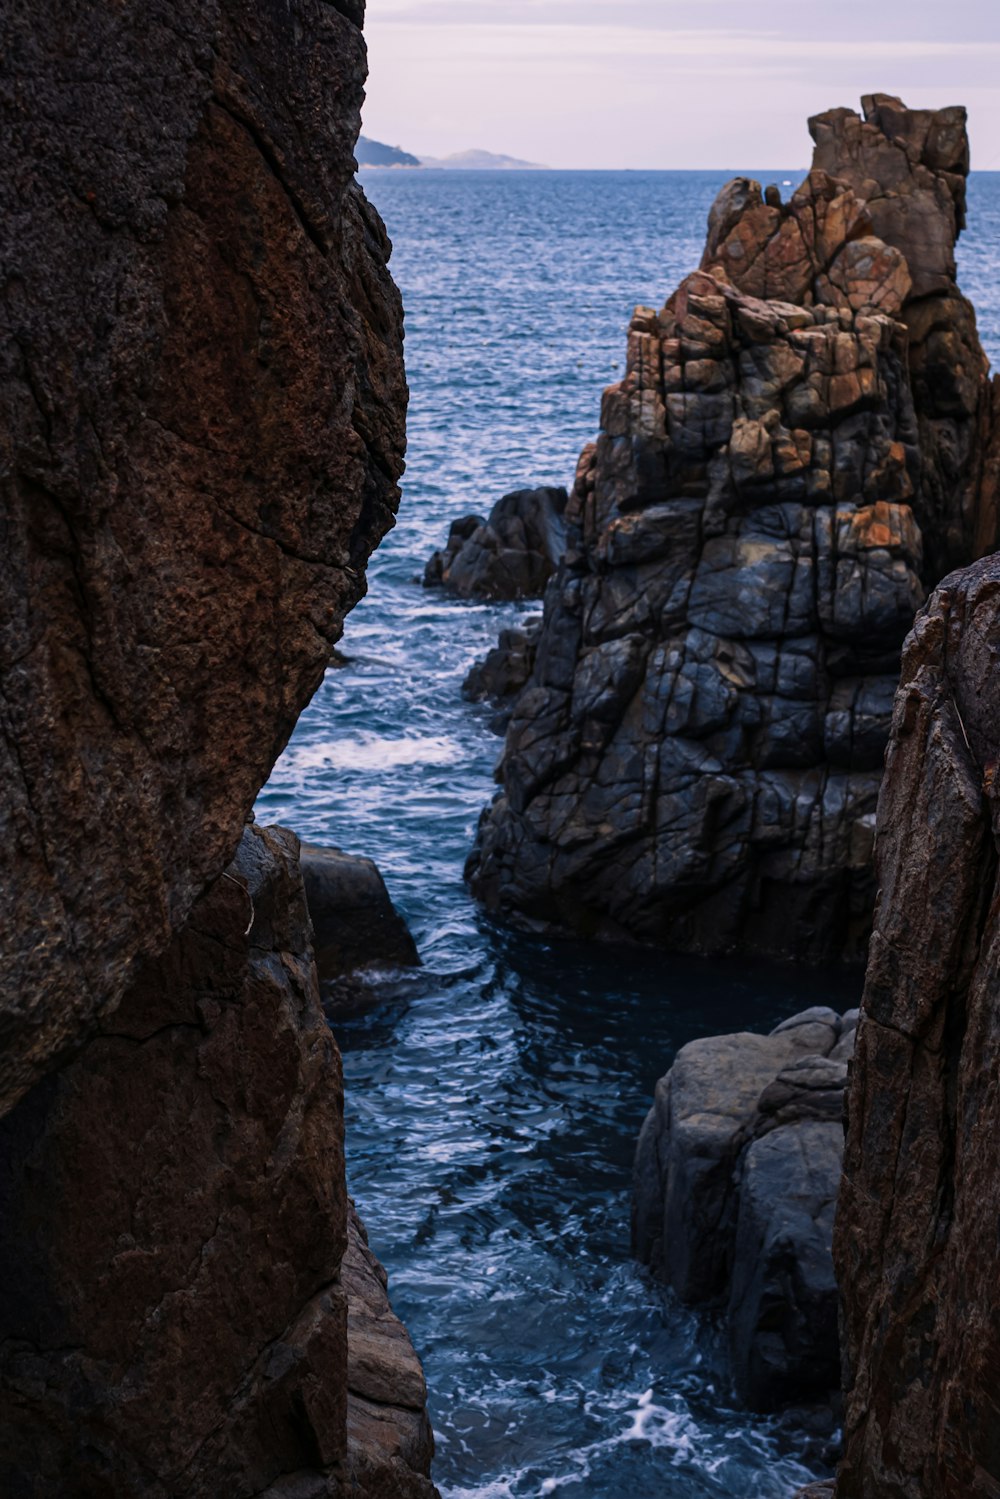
(511, 555)
(734, 1189)
(801, 442)
(504, 671)
(389, 1440)
(173, 1220)
(915, 1242)
(202, 409)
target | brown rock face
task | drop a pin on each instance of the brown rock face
(201, 428)
(916, 1232)
(175, 1317)
(798, 450)
(202, 409)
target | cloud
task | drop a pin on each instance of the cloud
(670, 83)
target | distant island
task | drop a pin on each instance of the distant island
(371, 153)
(480, 161)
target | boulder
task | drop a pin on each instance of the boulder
(800, 446)
(511, 555)
(916, 1233)
(355, 924)
(735, 1184)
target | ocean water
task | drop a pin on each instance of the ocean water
(494, 1097)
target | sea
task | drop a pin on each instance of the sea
(494, 1096)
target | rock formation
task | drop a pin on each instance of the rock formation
(355, 924)
(202, 407)
(505, 670)
(916, 1231)
(736, 1178)
(511, 555)
(176, 1316)
(202, 410)
(797, 450)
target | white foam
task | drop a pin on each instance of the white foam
(369, 752)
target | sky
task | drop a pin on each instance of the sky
(667, 83)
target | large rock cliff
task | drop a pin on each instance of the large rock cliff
(202, 409)
(797, 450)
(916, 1232)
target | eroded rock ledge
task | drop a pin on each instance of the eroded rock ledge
(799, 448)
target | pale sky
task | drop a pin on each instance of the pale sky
(667, 83)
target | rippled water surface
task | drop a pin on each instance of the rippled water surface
(493, 1100)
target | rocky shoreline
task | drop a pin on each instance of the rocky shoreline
(203, 405)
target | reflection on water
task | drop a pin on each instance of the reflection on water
(494, 1098)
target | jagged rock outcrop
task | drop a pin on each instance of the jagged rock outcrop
(505, 670)
(799, 448)
(202, 409)
(734, 1190)
(510, 555)
(916, 1231)
(176, 1318)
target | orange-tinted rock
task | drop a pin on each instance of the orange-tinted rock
(803, 442)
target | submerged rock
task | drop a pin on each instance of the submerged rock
(511, 555)
(735, 1184)
(916, 1231)
(799, 448)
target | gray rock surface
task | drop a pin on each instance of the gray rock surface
(798, 448)
(735, 1186)
(511, 555)
(505, 670)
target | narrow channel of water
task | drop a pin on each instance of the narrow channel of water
(493, 1099)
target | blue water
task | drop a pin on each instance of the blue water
(493, 1101)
